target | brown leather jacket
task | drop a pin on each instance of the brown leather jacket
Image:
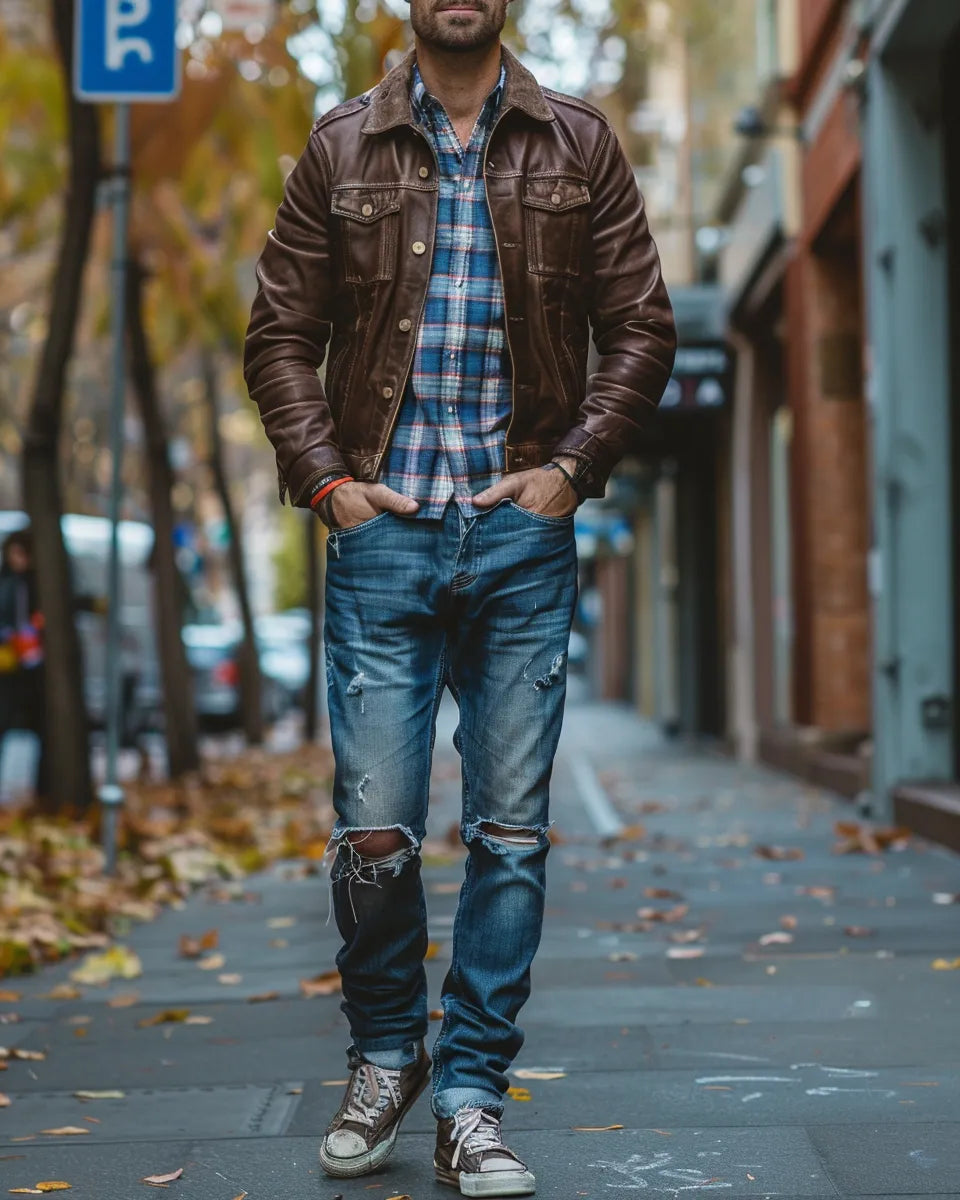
(349, 261)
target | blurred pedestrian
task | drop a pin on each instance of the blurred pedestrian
(22, 702)
(453, 233)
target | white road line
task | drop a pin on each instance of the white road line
(595, 800)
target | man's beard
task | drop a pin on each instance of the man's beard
(449, 31)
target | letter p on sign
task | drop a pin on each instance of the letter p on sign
(126, 50)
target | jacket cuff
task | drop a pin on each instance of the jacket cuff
(591, 473)
(309, 469)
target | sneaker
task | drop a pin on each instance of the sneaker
(363, 1133)
(471, 1156)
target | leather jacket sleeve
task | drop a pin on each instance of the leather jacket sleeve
(632, 322)
(289, 329)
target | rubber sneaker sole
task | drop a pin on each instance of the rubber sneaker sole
(493, 1183)
(363, 1164)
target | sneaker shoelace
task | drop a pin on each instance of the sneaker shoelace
(374, 1088)
(474, 1131)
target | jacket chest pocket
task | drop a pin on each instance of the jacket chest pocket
(368, 224)
(555, 211)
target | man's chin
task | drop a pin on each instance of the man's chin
(461, 41)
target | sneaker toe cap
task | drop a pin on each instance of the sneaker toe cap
(344, 1143)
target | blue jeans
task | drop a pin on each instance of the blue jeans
(482, 605)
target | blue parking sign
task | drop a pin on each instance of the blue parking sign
(126, 50)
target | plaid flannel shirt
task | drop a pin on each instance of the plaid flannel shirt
(450, 433)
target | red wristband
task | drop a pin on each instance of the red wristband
(325, 491)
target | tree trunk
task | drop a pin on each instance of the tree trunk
(314, 604)
(178, 701)
(250, 682)
(66, 743)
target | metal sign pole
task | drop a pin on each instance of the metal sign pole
(111, 794)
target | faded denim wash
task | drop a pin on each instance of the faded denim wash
(482, 605)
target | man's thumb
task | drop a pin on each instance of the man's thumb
(387, 498)
(493, 495)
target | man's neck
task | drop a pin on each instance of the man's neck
(461, 81)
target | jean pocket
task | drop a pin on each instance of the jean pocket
(348, 530)
(542, 517)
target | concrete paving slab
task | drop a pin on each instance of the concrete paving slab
(892, 1159)
(156, 1114)
(567, 1164)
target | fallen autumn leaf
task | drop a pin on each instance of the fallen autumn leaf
(162, 1180)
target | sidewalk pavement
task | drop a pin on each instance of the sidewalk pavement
(726, 1061)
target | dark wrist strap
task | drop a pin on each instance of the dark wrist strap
(553, 465)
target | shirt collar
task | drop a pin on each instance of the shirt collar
(423, 102)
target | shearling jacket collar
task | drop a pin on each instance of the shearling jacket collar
(390, 100)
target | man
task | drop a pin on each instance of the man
(21, 650)
(454, 233)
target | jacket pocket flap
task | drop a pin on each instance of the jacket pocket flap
(555, 194)
(364, 204)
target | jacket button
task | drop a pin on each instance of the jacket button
(424, 172)
(367, 210)
(405, 325)
(555, 198)
(387, 393)
(418, 248)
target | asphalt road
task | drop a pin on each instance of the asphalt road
(822, 1061)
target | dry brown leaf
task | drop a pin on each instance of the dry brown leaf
(520, 1094)
(779, 853)
(445, 889)
(4, 1100)
(595, 1128)
(436, 1014)
(124, 1000)
(63, 991)
(946, 964)
(28, 1055)
(169, 1016)
(66, 1131)
(819, 893)
(213, 962)
(661, 893)
(861, 839)
(326, 984)
(858, 931)
(162, 1180)
(8, 997)
(53, 1185)
(191, 946)
(433, 949)
(788, 922)
(666, 916)
(263, 997)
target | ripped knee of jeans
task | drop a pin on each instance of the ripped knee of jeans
(500, 838)
(367, 855)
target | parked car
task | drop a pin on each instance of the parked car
(87, 540)
(213, 651)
